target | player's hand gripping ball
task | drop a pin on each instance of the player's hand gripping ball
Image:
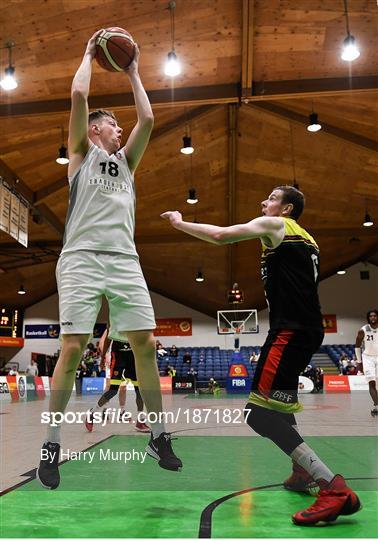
(115, 49)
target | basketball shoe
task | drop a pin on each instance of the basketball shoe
(161, 450)
(334, 499)
(48, 472)
(300, 480)
(141, 426)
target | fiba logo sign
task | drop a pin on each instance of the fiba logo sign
(21, 387)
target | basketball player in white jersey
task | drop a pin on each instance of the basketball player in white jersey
(99, 257)
(368, 338)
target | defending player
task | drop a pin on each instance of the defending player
(122, 369)
(368, 338)
(99, 256)
(290, 271)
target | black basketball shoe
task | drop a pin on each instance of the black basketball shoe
(161, 450)
(48, 472)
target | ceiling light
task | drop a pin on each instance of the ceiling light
(192, 199)
(62, 159)
(350, 51)
(172, 66)
(9, 82)
(187, 147)
(21, 290)
(341, 272)
(200, 277)
(313, 123)
(368, 222)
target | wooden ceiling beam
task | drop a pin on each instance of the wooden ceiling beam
(232, 149)
(277, 110)
(200, 95)
(361, 257)
(293, 89)
(15, 181)
(352, 232)
(44, 192)
(247, 48)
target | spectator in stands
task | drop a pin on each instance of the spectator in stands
(213, 386)
(343, 363)
(173, 351)
(187, 359)
(171, 371)
(12, 372)
(318, 379)
(32, 369)
(160, 351)
(201, 359)
(254, 358)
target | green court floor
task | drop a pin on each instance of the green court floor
(117, 500)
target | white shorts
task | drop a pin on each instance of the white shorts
(370, 365)
(83, 277)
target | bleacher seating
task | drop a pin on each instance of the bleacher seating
(335, 351)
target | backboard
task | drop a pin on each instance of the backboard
(237, 321)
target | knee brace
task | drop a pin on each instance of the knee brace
(113, 391)
(274, 425)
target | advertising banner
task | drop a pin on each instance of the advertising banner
(4, 389)
(330, 324)
(305, 385)
(358, 382)
(93, 385)
(46, 384)
(173, 327)
(11, 341)
(336, 383)
(14, 216)
(39, 387)
(183, 385)
(166, 385)
(12, 385)
(238, 381)
(23, 223)
(42, 331)
(31, 389)
(21, 387)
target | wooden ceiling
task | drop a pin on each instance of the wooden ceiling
(252, 71)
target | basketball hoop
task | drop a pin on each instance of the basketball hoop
(237, 330)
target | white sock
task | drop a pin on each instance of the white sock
(306, 458)
(53, 434)
(157, 429)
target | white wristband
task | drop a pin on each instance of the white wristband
(357, 352)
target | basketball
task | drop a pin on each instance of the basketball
(115, 49)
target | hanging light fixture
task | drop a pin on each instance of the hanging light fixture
(368, 222)
(62, 158)
(8, 82)
(21, 290)
(350, 50)
(199, 277)
(295, 183)
(187, 147)
(313, 125)
(341, 272)
(172, 66)
(192, 198)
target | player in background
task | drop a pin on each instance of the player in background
(290, 272)
(122, 370)
(367, 338)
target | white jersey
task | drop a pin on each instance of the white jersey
(101, 212)
(370, 340)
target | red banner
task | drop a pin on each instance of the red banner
(12, 385)
(336, 383)
(40, 389)
(173, 327)
(330, 324)
(166, 385)
(11, 342)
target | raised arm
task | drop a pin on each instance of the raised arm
(357, 350)
(140, 135)
(270, 229)
(78, 142)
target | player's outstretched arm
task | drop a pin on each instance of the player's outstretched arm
(78, 142)
(270, 229)
(357, 350)
(140, 135)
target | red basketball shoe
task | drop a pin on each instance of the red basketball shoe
(141, 426)
(300, 480)
(337, 500)
(89, 420)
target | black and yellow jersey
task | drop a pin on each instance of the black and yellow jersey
(290, 273)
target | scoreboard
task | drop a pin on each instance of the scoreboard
(11, 320)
